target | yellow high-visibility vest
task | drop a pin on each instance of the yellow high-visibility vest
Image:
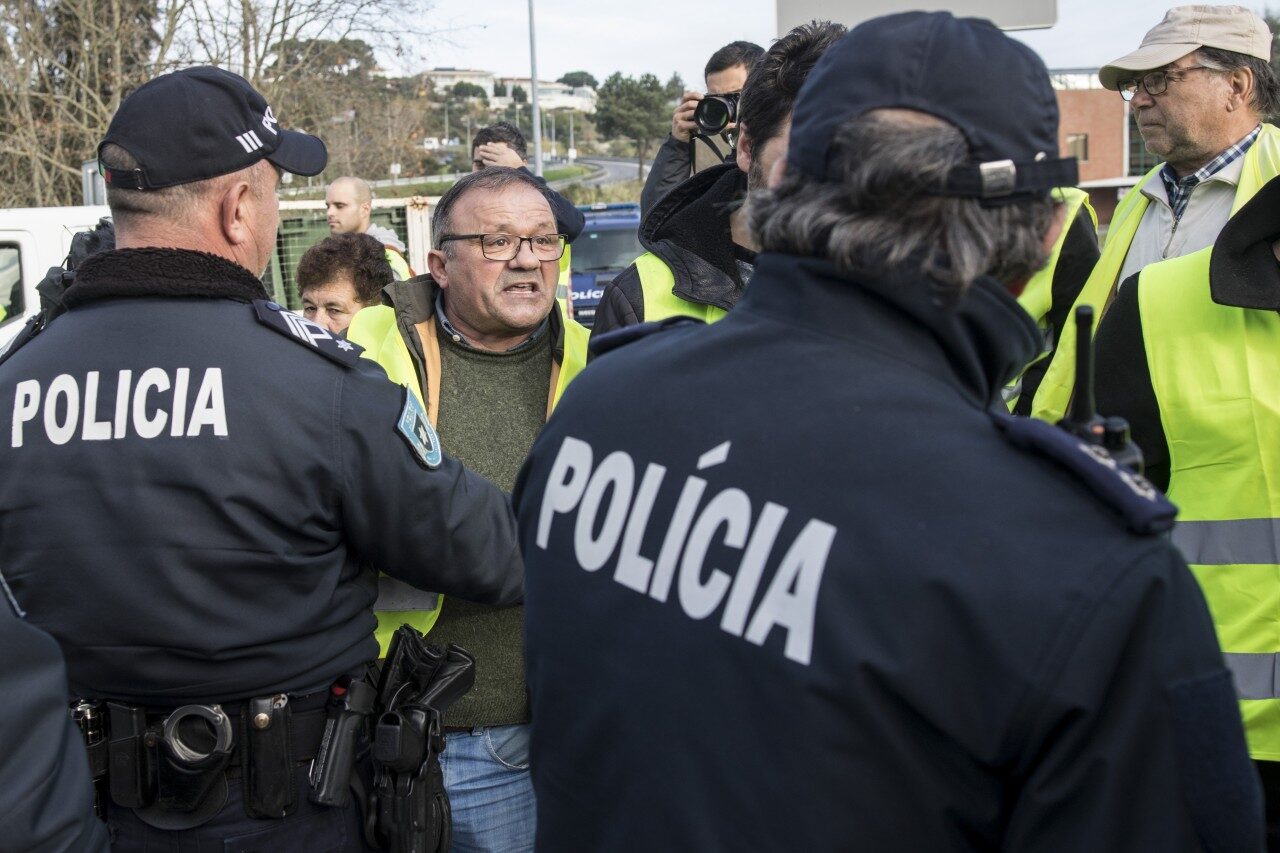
(564, 284)
(656, 283)
(1261, 164)
(1214, 369)
(1037, 297)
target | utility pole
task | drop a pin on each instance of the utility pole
(446, 123)
(468, 134)
(535, 123)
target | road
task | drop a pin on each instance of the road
(615, 171)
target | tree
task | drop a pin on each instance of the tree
(331, 58)
(499, 90)
(463, 90)
(675, 87)
(519, 95)
(634, 109)
(65, 65)
(579, 78)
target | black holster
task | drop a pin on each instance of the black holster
(412, 803)
(418, 684)
(332, 773)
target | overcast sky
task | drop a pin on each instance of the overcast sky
(662, 36)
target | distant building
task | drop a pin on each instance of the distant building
(551, 95)
(444, 79)
(1098, 128)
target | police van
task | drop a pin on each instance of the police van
(31, 241)
(608, 244)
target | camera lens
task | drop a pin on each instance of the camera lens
(713, 114)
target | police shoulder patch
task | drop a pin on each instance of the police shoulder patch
(1145, 510)
(307, 333)
(621, 337)
(415, 428)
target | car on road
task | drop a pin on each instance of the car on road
(608, 244)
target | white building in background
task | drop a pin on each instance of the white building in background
(444, 79)
(551, 95)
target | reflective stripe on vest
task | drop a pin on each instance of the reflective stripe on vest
(1037, 297)
(375, 329)
(1255, 675)
(1261, 164)
(1213, 368)
(1239, 541)
(660, 302)
(397, 595)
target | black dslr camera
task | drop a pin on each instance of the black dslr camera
(716, 112)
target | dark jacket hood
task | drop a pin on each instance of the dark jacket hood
(689, 230)
(1243, 271)
(984, 339)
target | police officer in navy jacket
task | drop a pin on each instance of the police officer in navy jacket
(819, 593)
(200, 487)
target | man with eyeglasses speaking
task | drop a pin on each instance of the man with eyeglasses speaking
(481, 341)
(1199, 86)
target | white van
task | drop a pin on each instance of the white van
(31, 241)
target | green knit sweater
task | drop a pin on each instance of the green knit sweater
(492, 406)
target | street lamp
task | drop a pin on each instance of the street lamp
(536, 117)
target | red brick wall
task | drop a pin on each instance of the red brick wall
(1101, 114)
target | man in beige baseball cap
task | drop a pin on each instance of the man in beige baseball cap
(1186, 29)
(1199, 86)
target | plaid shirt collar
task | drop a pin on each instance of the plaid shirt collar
(1179, 191)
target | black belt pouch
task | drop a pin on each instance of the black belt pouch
(131, 776)
(270, 787)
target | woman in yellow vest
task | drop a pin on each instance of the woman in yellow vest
(1190, 354)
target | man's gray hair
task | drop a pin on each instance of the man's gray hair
(169, 204)
(492, 178)
(1265, 98)
(881, 215)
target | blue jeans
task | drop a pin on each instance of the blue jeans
(486, 772)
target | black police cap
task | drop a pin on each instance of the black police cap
(964, 71)
(199, 123)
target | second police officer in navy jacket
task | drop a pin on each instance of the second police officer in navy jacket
(819, 593)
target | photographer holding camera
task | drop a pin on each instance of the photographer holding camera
(725, 74)
(700, 252)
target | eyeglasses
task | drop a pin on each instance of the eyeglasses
(505, 247)
(1157, 82)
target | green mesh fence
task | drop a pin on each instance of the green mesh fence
(302, 229)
